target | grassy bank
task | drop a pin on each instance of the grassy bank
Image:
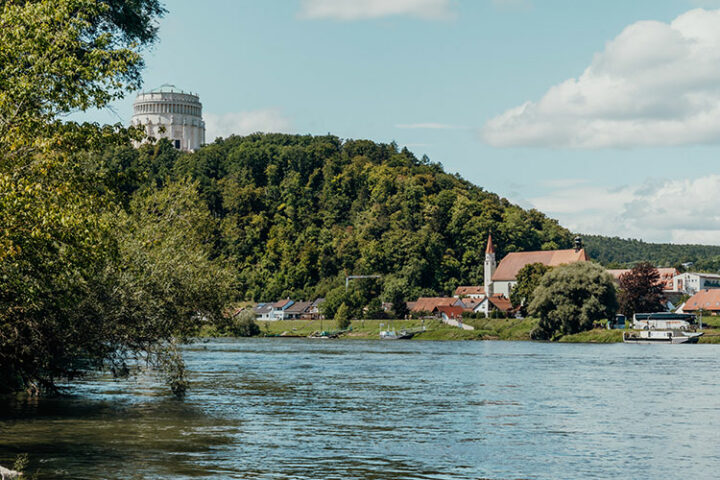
(485, 329)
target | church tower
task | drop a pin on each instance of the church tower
(490, 265)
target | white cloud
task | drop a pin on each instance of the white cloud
(367, 9)
(655, 84)
(244, 123)
(680, 211)
(429, 126)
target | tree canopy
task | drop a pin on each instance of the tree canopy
(528, 278)
(640, 290)
(89, 277)
(570, 298)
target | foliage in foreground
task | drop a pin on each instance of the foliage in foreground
(528, 278)
(87, 281)
(570, 298)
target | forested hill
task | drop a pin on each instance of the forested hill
(616, 251)
(298, 213)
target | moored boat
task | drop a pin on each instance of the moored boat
(661, 336)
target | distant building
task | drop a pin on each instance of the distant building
(168, 112)
(694, 282)
(428, 304)
(666, 276)
(708, 300)
(500, 280)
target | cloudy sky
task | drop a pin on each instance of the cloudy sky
(605, 115)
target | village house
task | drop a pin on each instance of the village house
(448, 312)
(297, 310)
(692, 283)
(428, 304)
(501, 278)
(708, 300)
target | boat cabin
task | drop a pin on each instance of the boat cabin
(664, 321)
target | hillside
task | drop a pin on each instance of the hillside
(298, 213)
(617, 251)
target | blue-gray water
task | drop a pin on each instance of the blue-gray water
(324, 409)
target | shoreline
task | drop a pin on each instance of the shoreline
(484, 329)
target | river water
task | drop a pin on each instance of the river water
(325, 409)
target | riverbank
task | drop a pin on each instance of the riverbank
(485, 329)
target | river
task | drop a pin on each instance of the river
(326, 409)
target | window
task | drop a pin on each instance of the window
(177, 144)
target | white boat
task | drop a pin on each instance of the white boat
(661, 336)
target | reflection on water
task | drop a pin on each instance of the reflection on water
(316, 409)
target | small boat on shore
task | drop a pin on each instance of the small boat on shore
(393, 335)
(661, 336)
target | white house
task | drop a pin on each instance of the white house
(692, 283)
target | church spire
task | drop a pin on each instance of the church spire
(490, 265)
(490, 248)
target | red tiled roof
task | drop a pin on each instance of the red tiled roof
(501, 302)
(513, 262)
(705, 299)
(666, 275)
(490, 247)
(469, 290)
(450, 311)
(428, 304)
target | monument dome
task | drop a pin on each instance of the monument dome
(172, 113)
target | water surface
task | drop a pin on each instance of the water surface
(324, 409)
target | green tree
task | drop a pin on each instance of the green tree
(528, 278)
(342, 317)
(640, 290)
(570, 298)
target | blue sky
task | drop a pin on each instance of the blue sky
(601, 114)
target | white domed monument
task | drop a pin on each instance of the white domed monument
(168, 112)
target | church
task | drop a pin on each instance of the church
(501, 278)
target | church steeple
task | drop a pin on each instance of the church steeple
(490, 265)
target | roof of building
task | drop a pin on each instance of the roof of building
(666, 275)
(318, 301)
(501, 302)
(708, 299)
(509, 266)
(449, 310)
(282, 303)
(490, 248)
(263, 308)
(167, 88)
(298, 307)
(428, 304)
(466, 290)
(471, 303)
(701, 274)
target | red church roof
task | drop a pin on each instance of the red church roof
(509, 266)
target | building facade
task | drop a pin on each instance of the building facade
(692, 283)
(168, 112)
(500, 279)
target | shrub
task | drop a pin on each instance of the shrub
(342, 317)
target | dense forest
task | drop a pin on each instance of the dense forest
(620, 252)
(298, 213)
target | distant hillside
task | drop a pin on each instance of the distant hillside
(623, 252)
(297, 213)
